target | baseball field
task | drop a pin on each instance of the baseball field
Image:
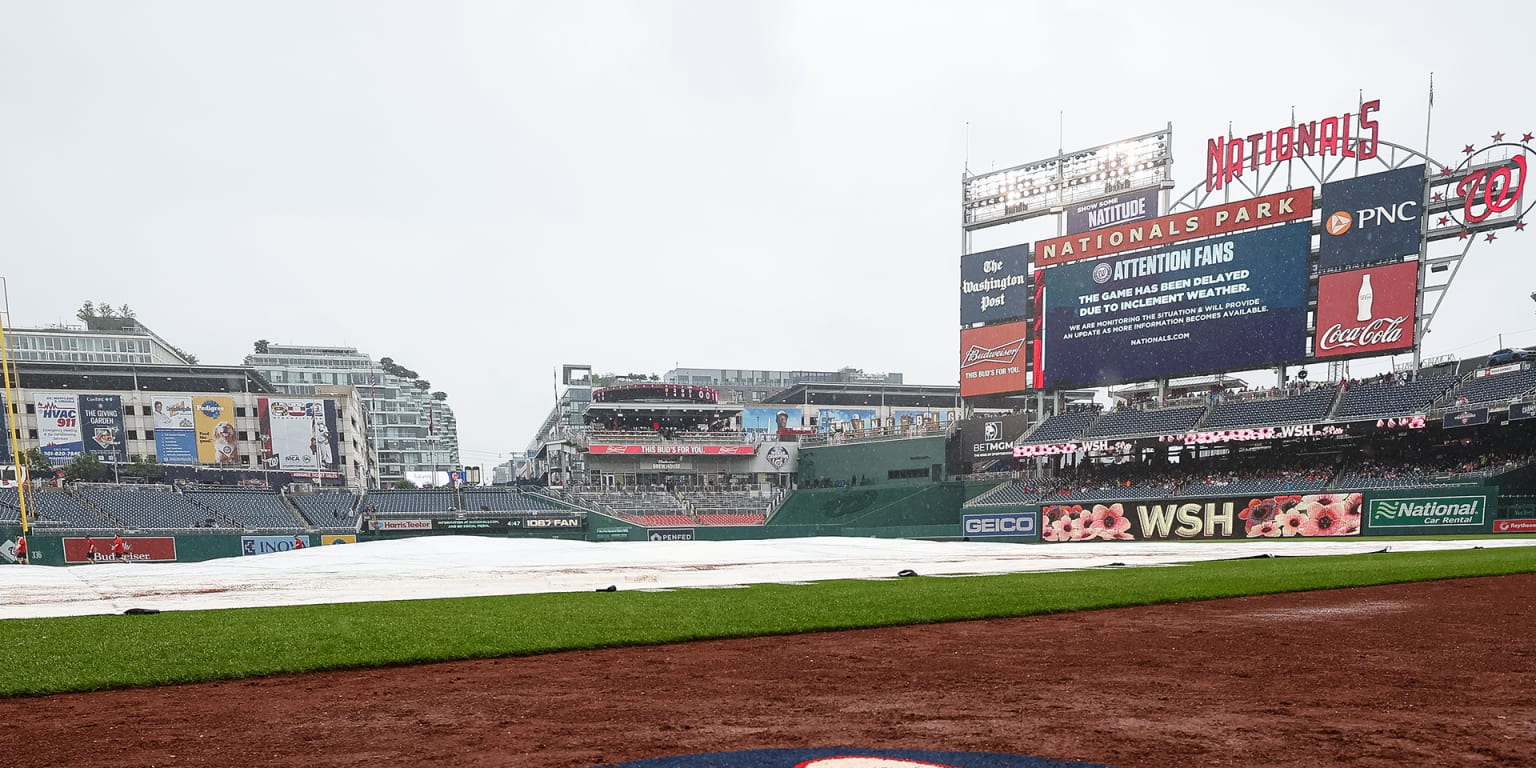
(1360, 660)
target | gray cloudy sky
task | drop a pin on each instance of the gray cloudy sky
(486, 190)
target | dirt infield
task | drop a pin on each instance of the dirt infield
(1439, 673)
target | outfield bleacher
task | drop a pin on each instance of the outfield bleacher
(1007, 494)
(250, 509)
(386, 503)
(149, 507)
(1381, 399)
(1131, 422)
(504, 500)
(1060, 428)
(1489, 390)
(1307, 407)
(327, 509)
(50, 508)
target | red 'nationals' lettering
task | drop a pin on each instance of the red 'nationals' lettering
(1226, 158)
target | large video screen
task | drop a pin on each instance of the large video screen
(1236, 302)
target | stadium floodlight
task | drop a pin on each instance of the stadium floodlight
(1033, 189)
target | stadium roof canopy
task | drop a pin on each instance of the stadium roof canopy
(105, 377)
(896, 395)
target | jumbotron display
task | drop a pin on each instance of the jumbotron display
(655, 393)
(1310, 243)
(1225, 303)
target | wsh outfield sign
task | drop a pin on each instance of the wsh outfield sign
(1429, 512)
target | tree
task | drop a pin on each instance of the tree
(146, 467)
(423, 384)
(262, 345)
(104, 309)
(404, 485)
(85, 467)
(440, 396)
(86, 311)
(38, 465)
(127, 311)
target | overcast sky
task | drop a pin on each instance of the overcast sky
(484, 191)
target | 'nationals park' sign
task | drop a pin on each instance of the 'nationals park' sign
(1206, 222)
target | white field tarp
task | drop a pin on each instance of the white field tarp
(469, 566)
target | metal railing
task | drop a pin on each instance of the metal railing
(872, 434)
(680, 436)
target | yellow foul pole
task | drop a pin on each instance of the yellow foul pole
(13, 411)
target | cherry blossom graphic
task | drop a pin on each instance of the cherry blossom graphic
(1321, 514)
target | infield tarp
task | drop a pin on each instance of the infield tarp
(472, 566)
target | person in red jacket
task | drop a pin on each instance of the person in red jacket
(298, 542)
(21, 550)
(119, 549)
(91, 553)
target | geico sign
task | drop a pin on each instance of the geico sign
(999, 525)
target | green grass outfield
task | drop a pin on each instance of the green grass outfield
(42, 656)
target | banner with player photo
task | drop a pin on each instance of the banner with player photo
(175, 429)
(303, 434)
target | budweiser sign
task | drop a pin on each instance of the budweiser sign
(992, 359)
(1383, 331)
(1003, 354)
(1366, 311)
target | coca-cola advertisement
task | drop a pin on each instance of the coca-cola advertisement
(993, 360)
(1366, 311)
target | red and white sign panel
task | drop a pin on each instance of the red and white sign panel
(1366, 311)
(992, 359)
(1514, 526)
(138, 549)
(1189, 225)
(676, 450)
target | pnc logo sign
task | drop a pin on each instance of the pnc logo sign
(1341, 222)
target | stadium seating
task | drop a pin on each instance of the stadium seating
(1492, 389)
(1310, 406)
(50, 509)
(1016, 492)
(150, 507)
(716, 502)
(1240, 486)
(1390, 398)
(252, 510)
(657, 520)
(634, 505)
(1131, 422)
(326, 510)
(717, 518)
(1060, 428)
(411, 502)
(503, 500)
